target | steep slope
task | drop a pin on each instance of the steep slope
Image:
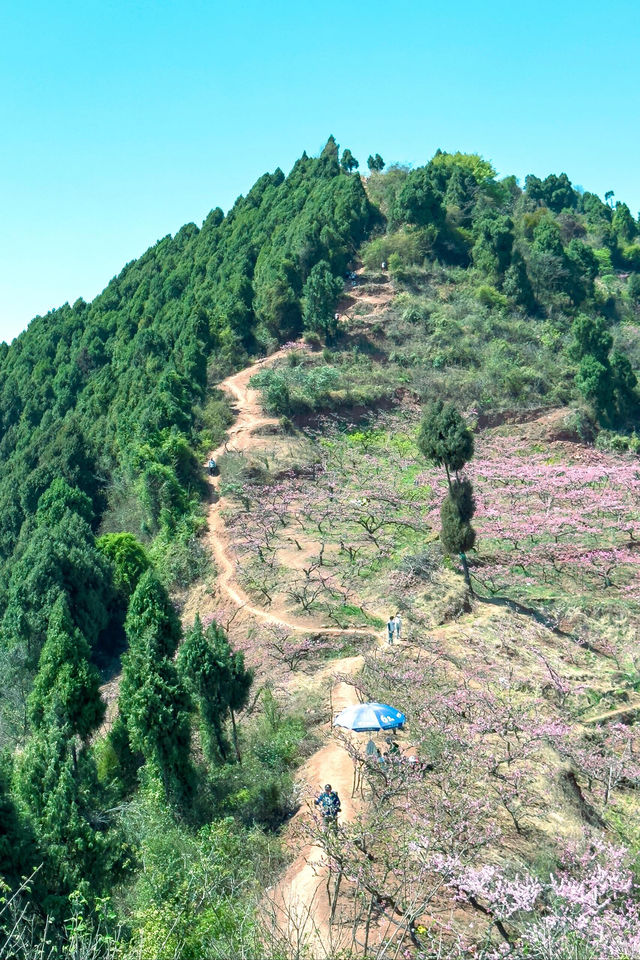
(519, 305)
(105, 394)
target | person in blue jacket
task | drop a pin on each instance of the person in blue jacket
(329, 803)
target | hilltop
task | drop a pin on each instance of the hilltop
(301, 340)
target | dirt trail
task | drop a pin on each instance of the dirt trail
(299, 901)
(377, 298)
(300, 898)
(250, 418)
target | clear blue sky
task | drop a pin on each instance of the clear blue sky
(123, 120)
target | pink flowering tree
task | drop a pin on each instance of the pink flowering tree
(588, 908)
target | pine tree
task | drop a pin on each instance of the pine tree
(348, 161)
(445, 438)
(67, 685)
(153, 701)
(320, 293)
(60, 556)
(375, 163)
(605, 379)
(59, 793)
(219, 681)
(18, 852)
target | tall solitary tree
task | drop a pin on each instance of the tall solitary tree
(375, 163)
(446, 440)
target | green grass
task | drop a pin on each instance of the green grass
(351, 611)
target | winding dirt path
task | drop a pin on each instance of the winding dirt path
(299, 901)
(250, 418)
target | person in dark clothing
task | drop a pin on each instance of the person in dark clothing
(391, 628)
(392, 747)
(329, 803)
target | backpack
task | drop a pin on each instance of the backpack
(330, 803)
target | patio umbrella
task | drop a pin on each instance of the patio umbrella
(369, 716)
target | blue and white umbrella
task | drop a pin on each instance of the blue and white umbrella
(369, 716)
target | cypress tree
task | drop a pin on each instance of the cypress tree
(447, 441)
(59, 793)
(219, 681)
(153, 701)
(67, 685)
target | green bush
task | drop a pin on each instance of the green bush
(313, 340)
(262, 790)
(618, 442)
(178, 554)
(195, 890)
(212, 422)
(301, 389)
(405, 246)
(490, 297)
(605, 266)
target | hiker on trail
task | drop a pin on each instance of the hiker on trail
(391, 628)
(212, 466)
(329, 803)
(383, 265)
(398, 620)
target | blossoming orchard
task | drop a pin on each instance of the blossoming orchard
(505, 826)
(560, 524)
(558, 527)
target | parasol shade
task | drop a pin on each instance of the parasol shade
(369, 716)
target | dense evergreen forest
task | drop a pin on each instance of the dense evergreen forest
(107, 411)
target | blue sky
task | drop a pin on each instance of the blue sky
(123, 120)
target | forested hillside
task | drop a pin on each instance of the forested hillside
(441, 291)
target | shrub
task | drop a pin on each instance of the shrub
(633, 288)
(618, 442)
(313, 340)
(416, 313)
(490, 297)
(603, 256)
(212, 422)
(404, 247)
(581, 421)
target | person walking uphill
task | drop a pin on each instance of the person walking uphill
(391, 628)
(329, 803)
